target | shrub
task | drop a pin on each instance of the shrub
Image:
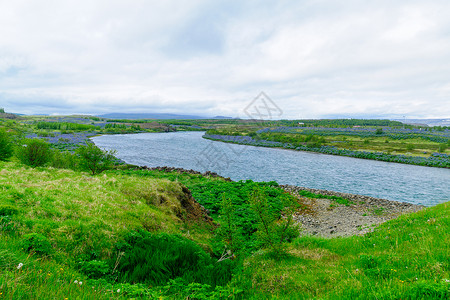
(429, 290)
(64, 160)
(36, 243)
(7, 224)
(34, 152)
(94, 159)
(156, 258)
(273, 231)
(6, 148)
(8, 210)
(95, 268)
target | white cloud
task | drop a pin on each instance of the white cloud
(314, 58)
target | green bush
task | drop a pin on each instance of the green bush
(272, 231)
(429, 290)
(95, 268)
(6, 147)
(34, 152)
(95, 160)
(8, 210)
(156, 258)
(36, 243)
(7, 224)
(64, 160)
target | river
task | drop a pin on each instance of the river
(393, 181)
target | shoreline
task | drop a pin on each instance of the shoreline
(376, 156)
(324, 217)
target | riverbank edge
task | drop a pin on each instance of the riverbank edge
(316, 150)
(325, 217)
(355, 198)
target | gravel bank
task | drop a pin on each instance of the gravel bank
(326, 218)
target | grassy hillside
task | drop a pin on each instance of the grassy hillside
(59, 228)
(70, 218)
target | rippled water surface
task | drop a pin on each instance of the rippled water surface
(408, 183)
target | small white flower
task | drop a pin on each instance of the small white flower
(80, 283)
(118, 290)
(76, 281)
(20, 266)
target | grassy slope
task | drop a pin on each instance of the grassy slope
(79, 214)
(406, 257)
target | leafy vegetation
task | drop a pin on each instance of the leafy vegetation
(34, 152)
(6, 146)
(94, 159)
(139, 234)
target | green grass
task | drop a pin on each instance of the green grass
(406, 258)
(81, 224)
(83, 218)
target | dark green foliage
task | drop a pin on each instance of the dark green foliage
(156, 258)
(95, 160)
(6, 147)
(64, 160)
(95, 268)
(379, 131)
(209, 194)
(36, 243)
(229, 231)
(273, 231)
(429, 290)
(2, 110)
(182, 290)
(7, 224)
(8, 210)
(34, 152)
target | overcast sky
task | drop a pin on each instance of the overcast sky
(314, 59)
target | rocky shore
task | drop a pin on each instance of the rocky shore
(326, 218)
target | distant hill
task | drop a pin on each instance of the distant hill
(429, 122)
(134, 116)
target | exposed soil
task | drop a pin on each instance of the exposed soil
(326, 218)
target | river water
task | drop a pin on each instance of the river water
(406, 183)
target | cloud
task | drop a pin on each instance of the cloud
(313, 58)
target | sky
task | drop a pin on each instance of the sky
(312, 59)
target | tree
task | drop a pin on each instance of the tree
(2, 110)
(6, 148)
(94, 159)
